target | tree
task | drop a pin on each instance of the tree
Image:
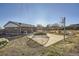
(56, 26)
(0, 28)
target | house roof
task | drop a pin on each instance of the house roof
(20, 24)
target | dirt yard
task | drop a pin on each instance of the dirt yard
(22, 46)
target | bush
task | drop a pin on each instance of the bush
(3, 43)
(40, 33)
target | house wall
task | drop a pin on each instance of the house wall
(18, 30)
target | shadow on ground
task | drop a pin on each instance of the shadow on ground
(33, 44)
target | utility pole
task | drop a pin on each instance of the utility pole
(20, 28)
(64, 26)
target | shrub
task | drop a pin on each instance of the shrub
(40, 33)
(3, 43)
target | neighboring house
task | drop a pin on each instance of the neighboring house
(53, 28)
(16, 28)
(40, 28)
(73, 27)
(0, 30)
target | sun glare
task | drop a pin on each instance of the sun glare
(41, 21)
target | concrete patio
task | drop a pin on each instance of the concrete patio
(52, 39)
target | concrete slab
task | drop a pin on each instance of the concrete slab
(52, 39)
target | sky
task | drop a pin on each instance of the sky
(38, 13)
